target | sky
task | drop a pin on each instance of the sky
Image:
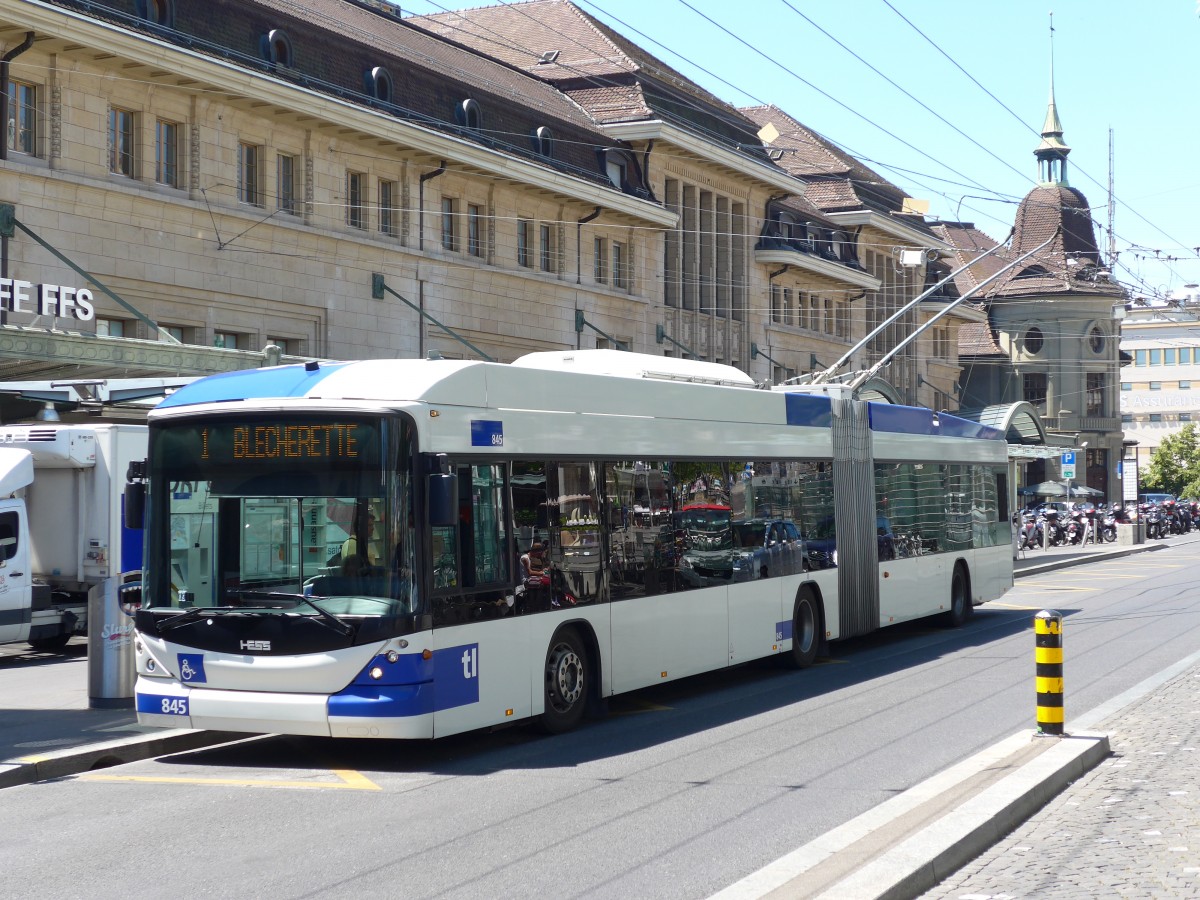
(946, 99)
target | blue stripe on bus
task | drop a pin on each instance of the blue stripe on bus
(783, 630)
(899, 419)
(284, 381)
(450, 679)
(953, 426)
(805, 409)
(394, 701)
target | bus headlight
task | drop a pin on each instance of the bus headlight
(376, 672)
(393, 656)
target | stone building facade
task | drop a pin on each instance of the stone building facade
(340, 182)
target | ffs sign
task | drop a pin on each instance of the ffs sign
(59, 301)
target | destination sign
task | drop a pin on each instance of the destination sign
(337, 440)
(264, 443)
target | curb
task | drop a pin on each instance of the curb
(72, 761)
(922, 861)
(1051, 565)
(910, 843)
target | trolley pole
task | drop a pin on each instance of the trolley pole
(1048, 657)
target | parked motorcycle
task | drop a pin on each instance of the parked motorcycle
(1107, 530)
(1155, 525)
(1029, 535)
(1053, 533)
(1074, 527)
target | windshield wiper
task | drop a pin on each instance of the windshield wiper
(190, 615)
(325, 615)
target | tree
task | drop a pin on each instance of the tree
(1175, 465)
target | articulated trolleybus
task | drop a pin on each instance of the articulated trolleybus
(416, 548)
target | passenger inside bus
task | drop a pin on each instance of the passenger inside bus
(533, 563)
(354, 562)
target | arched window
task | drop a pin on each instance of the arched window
(1033, 341)
(157, 12)
(277, 48)
(378, 83)
(469, 114)
(543, 142)
(1096, 339)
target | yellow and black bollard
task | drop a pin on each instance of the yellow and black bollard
(1048, 655)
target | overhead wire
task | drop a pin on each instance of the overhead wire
(1025, 124)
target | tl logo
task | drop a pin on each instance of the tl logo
(470, 661)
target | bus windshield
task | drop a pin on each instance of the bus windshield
(297, 514)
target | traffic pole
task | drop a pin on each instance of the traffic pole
(1048, 657)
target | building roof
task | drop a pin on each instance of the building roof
(967, 244)
(836, 180)
(334, 42)
(1071, 263)
(609, 76)
(978, 339)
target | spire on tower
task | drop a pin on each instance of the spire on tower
(1052, 152)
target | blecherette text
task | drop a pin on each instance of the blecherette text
(56, 300)
(332, 441)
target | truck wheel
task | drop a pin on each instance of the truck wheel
(566, 682)
(51, 644)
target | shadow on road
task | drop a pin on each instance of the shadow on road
(649, 717)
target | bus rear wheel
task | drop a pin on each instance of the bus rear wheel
(960, 599)
(566, 682)
(806, 631)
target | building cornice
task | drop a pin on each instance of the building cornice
(658, 130)
(818, 266)
(962, 311)
(34, 349)
(890, 226)
(181, 63)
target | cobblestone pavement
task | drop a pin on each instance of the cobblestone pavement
(1130, 828)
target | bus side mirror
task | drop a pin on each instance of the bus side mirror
(442, 492)
(135, 495)
(135, 506)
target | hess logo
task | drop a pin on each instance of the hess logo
(255, 645)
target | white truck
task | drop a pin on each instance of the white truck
(62, 535)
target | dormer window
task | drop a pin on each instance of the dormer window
(543, 142)
(157, 12)
(378, 83)
(1034, 271)
(277, 48)
(469, 114)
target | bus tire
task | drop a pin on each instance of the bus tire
(960, 598)
(566, 682)
(806, 630)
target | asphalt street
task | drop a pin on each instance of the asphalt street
(681, 792)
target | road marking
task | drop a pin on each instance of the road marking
(1057, 587)
(350, 780)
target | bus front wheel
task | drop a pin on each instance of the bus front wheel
(566, 682)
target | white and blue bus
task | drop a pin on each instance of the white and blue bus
(417, 548)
